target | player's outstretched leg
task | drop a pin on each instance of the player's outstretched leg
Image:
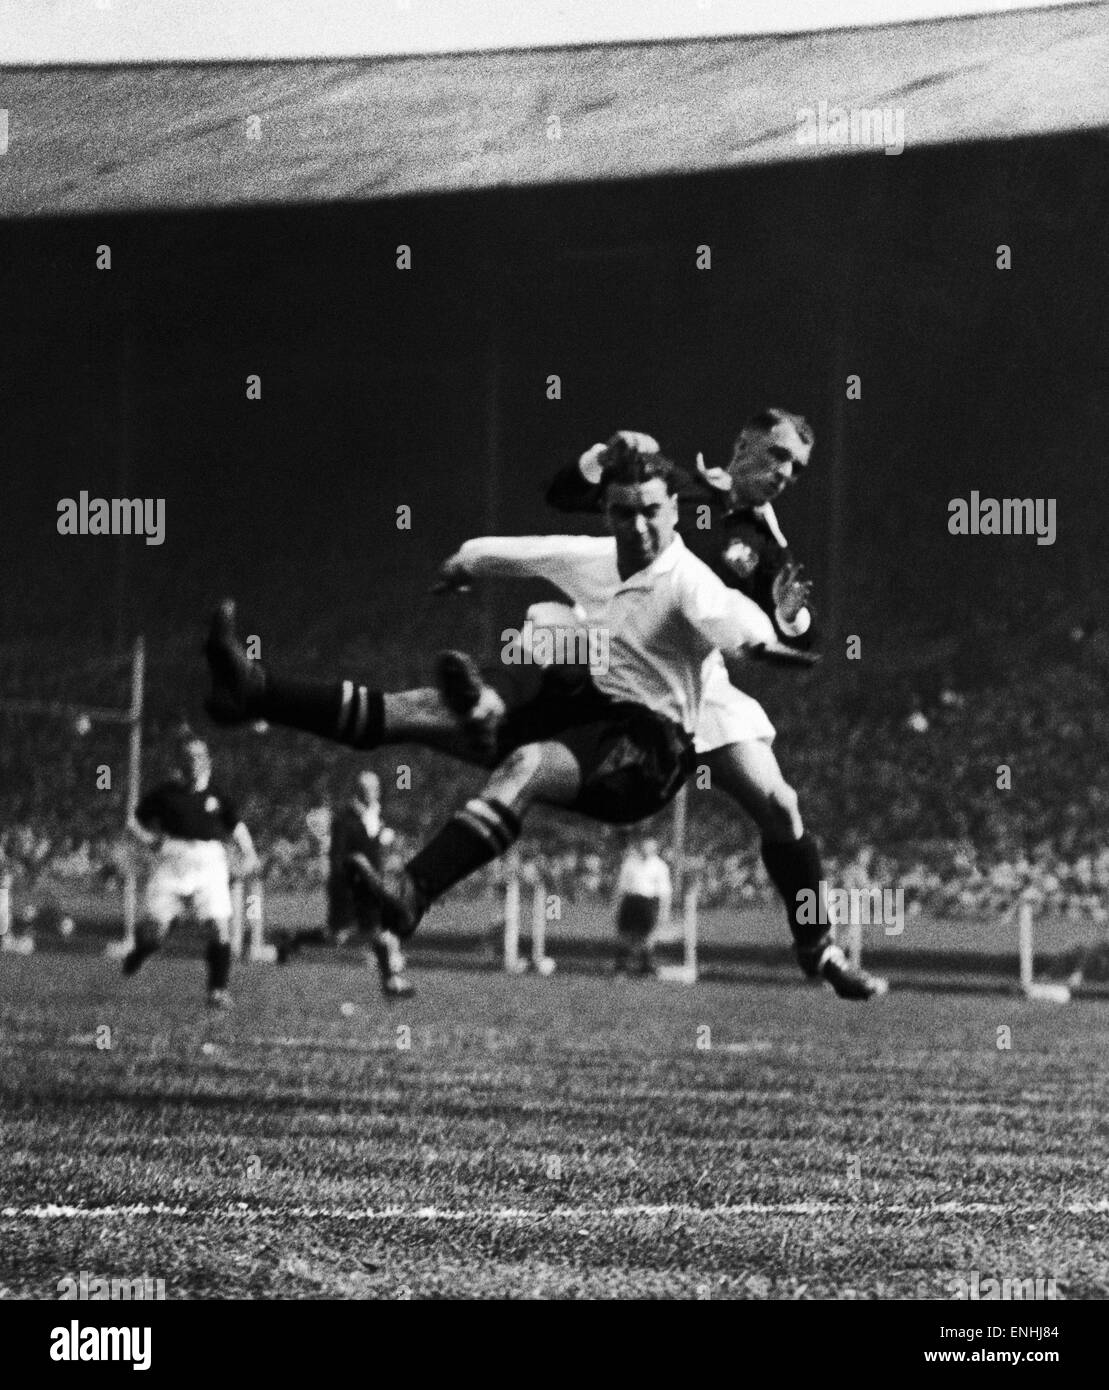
(485, 828)
(346, 711)
(477, 705)
(749, 773)
(243, 690)
(218, 957)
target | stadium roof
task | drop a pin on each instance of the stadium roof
(648, 93)
(165, 31)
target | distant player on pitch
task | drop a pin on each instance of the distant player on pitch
(355, 827)
(185, 821)
(644, 893)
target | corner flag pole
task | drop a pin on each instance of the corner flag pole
(134, 779)
(680, 810)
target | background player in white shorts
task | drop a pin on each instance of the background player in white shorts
(186, 821)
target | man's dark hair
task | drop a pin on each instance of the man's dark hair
(623, 464)
(766, 420)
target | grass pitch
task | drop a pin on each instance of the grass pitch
(522, 1137)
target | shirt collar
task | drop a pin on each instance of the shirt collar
(662, 564)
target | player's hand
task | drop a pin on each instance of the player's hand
(452, 578)
(249, 866)
(791, 593)
(718, 478)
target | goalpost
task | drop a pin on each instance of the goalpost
(84, 716)
(1039, 991)
(543, 964)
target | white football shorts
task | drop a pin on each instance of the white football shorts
(727, 715)
(189, 876)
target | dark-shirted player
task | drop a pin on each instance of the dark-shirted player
(356, 828)
(726, 518)
(186, 821)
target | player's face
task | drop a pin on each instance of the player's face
(765, 463)
(642, 517)
(650, 848)
(196, 765)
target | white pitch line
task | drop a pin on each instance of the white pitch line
(245, 1212)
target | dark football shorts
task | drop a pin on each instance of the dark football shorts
(341, 913)
(637, 916)
(632, 760)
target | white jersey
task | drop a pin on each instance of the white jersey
(662, 622)
(644, 878)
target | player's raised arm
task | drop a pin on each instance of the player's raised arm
(576, 488)
(719, 480)
(791, 594)
(582, 567)
(731, 621)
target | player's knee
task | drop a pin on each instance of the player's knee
(515, 773)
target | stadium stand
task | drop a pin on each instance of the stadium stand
(909, 794)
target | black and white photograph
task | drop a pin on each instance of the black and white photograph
(553, 661)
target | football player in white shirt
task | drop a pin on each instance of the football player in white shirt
(734, 737)
(615, 744)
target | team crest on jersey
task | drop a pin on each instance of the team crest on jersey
(741, 558)
(212, 804)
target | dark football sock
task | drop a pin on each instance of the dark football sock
(312, 936)
(142, 950)
(478, 834)
(219, 964)
(793, 869)
(343, 711)
(146, 943)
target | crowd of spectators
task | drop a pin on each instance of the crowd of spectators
(968, 796)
